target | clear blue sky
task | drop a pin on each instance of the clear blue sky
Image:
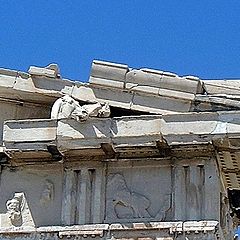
(186, 37)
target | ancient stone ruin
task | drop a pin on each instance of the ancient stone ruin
(133, 154)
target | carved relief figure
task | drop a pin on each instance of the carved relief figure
(123, 202)
(67, 107)
(47, 193)
(18, 213)
(14, 208)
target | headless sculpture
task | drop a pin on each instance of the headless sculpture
(67, 107)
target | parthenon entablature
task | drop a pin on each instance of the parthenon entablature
(131, 154)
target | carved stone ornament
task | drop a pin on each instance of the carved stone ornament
(47, 193)
(15, 207)
(67, 107)
(18, 211)
(125, 203)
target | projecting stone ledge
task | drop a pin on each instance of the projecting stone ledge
(197, 230)
(120, 135)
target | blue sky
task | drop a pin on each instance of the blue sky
(193, 37)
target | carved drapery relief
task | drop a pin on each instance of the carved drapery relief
(123, 203)
(67, 107)
(18, 213)
(15, 207)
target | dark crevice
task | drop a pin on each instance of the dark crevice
(56, 155)
(119, 112)
(234, 200)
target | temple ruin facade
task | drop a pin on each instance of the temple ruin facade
(135, 154)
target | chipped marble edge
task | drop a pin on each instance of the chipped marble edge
(97, 229)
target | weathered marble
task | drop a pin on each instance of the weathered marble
(133, 154)
(67, 107)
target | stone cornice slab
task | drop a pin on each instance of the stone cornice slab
(122, 134)
(145, 90)
(179, 227)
